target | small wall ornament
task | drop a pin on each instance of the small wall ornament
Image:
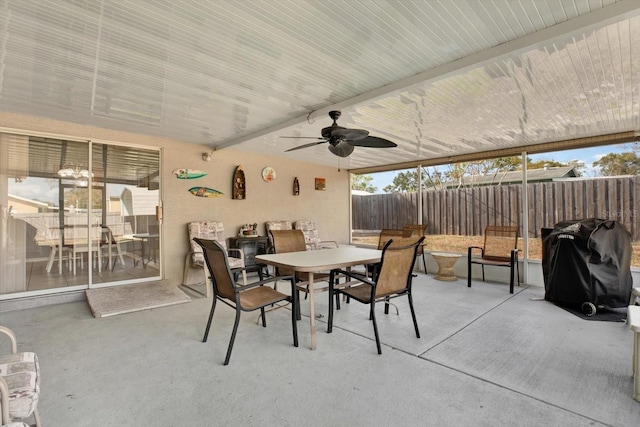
(268, 174)
(249, 230)
(184, 173)
(296, 186)
(239, 184)
(205, 192)
(320, 184)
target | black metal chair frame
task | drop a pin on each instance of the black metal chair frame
(268, 295)
(371, 298)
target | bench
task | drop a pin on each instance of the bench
(633, 320)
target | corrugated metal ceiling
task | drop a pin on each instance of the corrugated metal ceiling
(439, 78)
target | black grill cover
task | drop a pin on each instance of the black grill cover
(587, 260)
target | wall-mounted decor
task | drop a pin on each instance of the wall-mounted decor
(268, 174)
(205, 192)
(248, 230)
(296, 187)
(320, 184)
(189, 173)
(239, 184)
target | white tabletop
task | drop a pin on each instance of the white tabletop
(322, 259)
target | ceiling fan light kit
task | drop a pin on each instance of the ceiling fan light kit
(342, 141)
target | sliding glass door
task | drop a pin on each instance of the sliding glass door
(76, 214)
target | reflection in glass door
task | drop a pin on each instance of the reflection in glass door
(76, 214)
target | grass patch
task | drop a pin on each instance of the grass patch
(459, 244)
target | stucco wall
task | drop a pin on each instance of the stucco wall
(264, 201)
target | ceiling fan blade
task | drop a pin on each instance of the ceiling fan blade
(304, 137)
(373, 141)
(305, 145)
(350, 134)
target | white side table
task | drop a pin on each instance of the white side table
(446, 261)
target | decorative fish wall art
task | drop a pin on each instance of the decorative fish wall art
(189, 173)
(205, 192)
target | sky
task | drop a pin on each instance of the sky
(586, 155)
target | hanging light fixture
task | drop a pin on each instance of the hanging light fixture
(74, 171)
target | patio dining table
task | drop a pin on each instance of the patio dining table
(317, 261)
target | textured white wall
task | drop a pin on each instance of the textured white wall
(265, 201)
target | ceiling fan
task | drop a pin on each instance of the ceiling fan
(341, 140)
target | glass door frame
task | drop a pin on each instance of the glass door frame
(24, 141)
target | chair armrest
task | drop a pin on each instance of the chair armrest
(261, 282)
(189, 258)
(8, 332)
(364, 279)
(471, 248)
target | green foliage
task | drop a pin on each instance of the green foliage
(578, 165)
(463, 173)
(627, 163)
(78, 197)
(363, 183)
(403, 182)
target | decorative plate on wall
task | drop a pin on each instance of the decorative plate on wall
(268, 174)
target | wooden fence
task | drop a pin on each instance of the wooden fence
(467, 211)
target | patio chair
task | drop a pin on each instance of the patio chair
(285, 241)
(276, 225)
(419, 230)
(250, 297)
(19, 384)
(312, 237)
(194, 265)
(81, 234)
(110, 247)
(500, 249)
(393, 280)
(387, 234)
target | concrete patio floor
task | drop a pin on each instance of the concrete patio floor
(486, 358)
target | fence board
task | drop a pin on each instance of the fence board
(467, 211)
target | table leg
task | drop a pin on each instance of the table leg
(636, 366)
(52, 257)
(312, 313)
(60, 253)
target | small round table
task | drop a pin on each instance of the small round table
(445, 261)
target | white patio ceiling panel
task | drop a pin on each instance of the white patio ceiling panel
(224, 72)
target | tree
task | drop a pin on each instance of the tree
(78, 197)
(627, 163)
(404, 182)
(363, 183)
(578, 165)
